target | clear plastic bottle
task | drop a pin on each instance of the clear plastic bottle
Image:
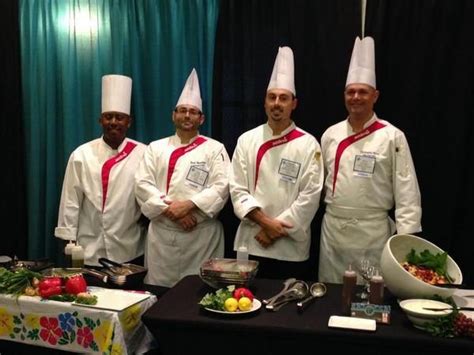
(242, 253)
(349, 281)
(68, 253)
(77, 256)
(376, 289)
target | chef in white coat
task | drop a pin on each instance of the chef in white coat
(369, 171)
(182, 185)
(276, 182)
(98, 208)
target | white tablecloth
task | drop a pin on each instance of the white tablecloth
(65, 326)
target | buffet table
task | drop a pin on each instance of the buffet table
(107, 329)
(182, 327)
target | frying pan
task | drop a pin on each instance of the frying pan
(124, 275)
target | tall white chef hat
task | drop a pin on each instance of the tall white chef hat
(191, 94)
(283, 75)
(116, 93)
(362, 66)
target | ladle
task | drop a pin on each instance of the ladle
(317, 290)
(286, 285)
(299, 290)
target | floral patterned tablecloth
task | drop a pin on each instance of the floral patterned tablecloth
(64, 326)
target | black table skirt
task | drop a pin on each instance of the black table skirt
(182, 327)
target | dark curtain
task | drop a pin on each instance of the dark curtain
(321, 34)
(424, 64)
(425, 72)
(12, 183)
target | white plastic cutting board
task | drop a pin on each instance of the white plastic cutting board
(114, 300)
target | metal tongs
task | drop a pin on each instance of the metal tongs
(297, 291)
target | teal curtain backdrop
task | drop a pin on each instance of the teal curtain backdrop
(66, 47)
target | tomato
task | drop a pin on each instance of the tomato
(243, 292)
(76, 284)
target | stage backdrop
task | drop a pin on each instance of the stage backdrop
(425, 70)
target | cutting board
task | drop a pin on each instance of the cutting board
(114, 300)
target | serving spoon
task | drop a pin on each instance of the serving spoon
(317, 290)
(286, 285)
(449, 308)
(298, 291)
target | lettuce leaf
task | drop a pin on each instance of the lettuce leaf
(216, 300)
(436, 262)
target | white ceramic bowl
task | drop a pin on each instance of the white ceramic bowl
(403, 284)
(414, 309)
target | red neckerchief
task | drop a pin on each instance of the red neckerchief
(293, 134)
(178, 153)
(107, 167)
(347, 142)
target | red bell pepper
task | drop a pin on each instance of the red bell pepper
(50, 286)
(76, 284)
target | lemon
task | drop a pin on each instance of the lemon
(245, 304)
(231, 304)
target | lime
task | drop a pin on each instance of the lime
(231, 304)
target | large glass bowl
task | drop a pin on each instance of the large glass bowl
(221, 272)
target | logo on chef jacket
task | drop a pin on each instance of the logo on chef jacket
(280, 141)
(192, 146)
(120, 156)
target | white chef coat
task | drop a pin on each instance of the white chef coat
(200, 174)
(375, 173)
(286, 185)
(103, 227)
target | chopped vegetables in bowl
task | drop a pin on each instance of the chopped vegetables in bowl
(404, 284)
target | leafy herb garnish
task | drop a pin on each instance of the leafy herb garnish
(216, 300)
(436, 262)
(443, 326)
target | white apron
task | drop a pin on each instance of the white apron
(368, 174)
(170, 170)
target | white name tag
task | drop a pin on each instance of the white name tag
(364, 165)
(289, 170)
(197, 175)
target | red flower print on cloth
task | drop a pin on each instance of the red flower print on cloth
(50, 332)
(84, 337)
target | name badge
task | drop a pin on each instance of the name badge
(289, 170)
(364, 165)
(197, 175)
